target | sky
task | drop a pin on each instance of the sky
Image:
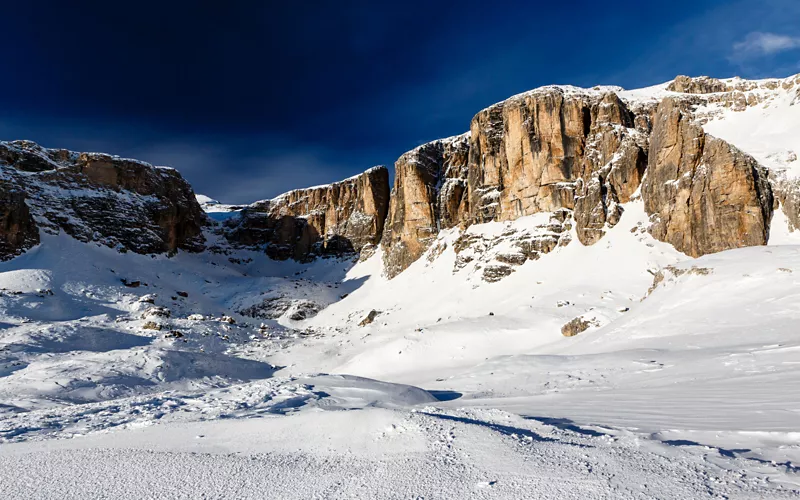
(250, 99)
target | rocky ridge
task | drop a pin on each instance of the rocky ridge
(334, 219)
(586, 152)
(575, 156)
(93, 197)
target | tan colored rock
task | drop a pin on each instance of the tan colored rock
(428, 195)
(525, 154)
(697, 85)
(369, 318)
(614, 165)
(575, 326)
(546, 150)
(703, 194)
(337, 218)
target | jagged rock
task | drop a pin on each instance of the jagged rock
(156, 311)
(334, 219)
(151, 325)
(428, 195)
(787, 193)
(557, 148)
(369, 318)
(94, 197)
(614, 165)
(576, 326)
(525, 153)
(18, 231)
(492, 254)
(147, 299)
(697, 85)
(303, 309)
(495, 272)
(703, 194)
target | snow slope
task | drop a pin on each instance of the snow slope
(766, 131)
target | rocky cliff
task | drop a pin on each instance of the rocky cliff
(429, 194)
(117, 202)
(334, 219)
(572, 157)
(584, 153)
(704, 195)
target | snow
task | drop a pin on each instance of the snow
(768, 131)
(683, 387)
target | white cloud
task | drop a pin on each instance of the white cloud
(758, 43)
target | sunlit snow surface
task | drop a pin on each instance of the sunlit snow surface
(459, 388)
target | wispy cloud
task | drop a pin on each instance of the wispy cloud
(758, 43)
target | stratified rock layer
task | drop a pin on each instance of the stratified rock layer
(95, 197)
(704, 194)
(429, 195)
(333, 219)
(588, 151)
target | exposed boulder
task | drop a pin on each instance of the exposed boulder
(334, 219)
(576, 326)
(703, 194)
(369, 318)
(105, 199)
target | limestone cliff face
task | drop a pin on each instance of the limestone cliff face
(575, 156)
(587, 152)
(704, 194)
(117, 202)
(550, 149)
(334, 219)
(556, 148)
(429, 194)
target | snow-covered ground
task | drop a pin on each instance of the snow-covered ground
(689, 393)
(206, 375)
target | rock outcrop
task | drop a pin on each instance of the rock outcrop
(18, 232)
(697, 85)
(546, 150)
(703, 194)
(334, 219)
(429, 195)
(117, 202)
(587, 152)
(571, 157)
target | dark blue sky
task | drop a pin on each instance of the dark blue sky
(249, 99)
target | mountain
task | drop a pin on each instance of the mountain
(591, 293)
